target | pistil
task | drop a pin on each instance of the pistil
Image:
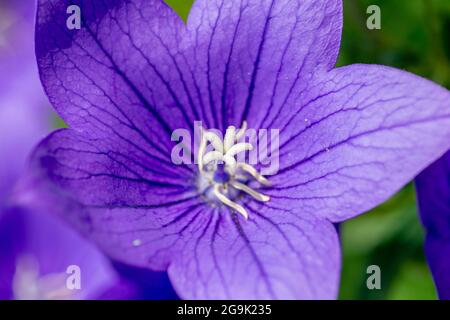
(225, 175)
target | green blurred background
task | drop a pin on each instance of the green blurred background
(414, 36)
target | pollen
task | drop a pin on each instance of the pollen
(222, 176)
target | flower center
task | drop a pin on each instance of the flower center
(222, 177)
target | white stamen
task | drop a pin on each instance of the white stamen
(238, 148)
(229, 203)
(225, 152)
(230, 162)
(241, 132)
(215, 141)
(201, 150)
(258, 196)
(228, 141)
(255, 174)
(212, 156)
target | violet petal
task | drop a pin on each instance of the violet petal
(357, 136)
(433, 192)
(276, 254)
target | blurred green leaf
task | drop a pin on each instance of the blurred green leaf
(58, 123)
(181, 7)
(414, 37)
(412, 283)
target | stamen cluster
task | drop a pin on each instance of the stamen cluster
(225, 175)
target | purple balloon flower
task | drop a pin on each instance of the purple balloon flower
(25, 112)
(41, 259)
(36, 249)
(433, 192)
(134, 79)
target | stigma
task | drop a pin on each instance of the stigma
(222, 177)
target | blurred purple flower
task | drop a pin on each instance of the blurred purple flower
(349, 138)
(433, 192)
(37, 249)
(25, 116)
(36, 254)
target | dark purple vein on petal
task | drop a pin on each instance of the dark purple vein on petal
(158, 74)
(249, 246)
(130, 84)
(133, 126)
(197, 243)
(225, 120)
(134, 89)
(252, 85)
(288, 241)
(291, 89)
(208, 71)
(279, 72)
(175, 63)
(349, 139)
(112, 206)
(216, 263)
